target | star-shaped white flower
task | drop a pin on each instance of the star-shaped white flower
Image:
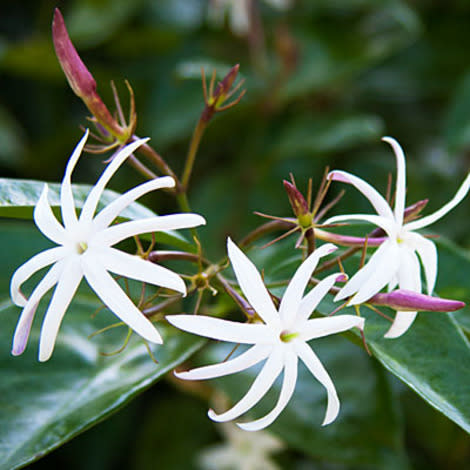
(86, 250)
(281, 339)
(396, 260)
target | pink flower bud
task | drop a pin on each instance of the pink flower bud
(296, 199)
(406, 300)
(80, 79)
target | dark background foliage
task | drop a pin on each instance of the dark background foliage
(328, 79)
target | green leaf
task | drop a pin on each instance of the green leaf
(18, 198)
(43, 405)
(367, 404)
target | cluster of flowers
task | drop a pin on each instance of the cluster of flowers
(278, 335)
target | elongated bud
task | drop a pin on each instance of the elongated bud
(215, 99)
(223, 87)
(413, 211)
(79, 77)
(405, 300)
(296, 199)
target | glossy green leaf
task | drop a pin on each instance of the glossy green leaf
(18, 198)
(366, 400)
(44, 405)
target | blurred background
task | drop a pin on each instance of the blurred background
(325, 79)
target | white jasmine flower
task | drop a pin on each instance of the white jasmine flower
(281, 339)
(86, 250)
(396, 260)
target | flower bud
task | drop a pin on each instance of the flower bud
(296, 199)
(223, 87)
(413, 211)
(79, 77)
(406, 300)
(214, 99)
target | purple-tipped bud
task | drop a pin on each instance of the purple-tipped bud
(296, 199)
(405, 300)
(80, 79)
(342, 278)
(224, 86)
(413, 211)
(215, 99)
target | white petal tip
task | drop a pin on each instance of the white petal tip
(393, 334)
(17, 351)
(388, 139)
(214, 416)
(330, 417)
(249, 427)
(154, 337)
(43, 357)
(337, 176)
(181, 375)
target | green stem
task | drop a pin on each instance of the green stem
(191, 157)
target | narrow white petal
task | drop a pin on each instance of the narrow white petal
(69, 280)
(45, 219)
(23, 328)
(26, 270)
(91, 203)
(409, 274)
(136, 268)
(67, 204)
(249, 358)
(400, 193)
(431, 218)
(112, 210)
(401, 323)
(388, 225)
(263, 382)
(428, 254)
(111, 294)
(222, 330)
(287, 390)
(375, 198)
(314, 365)
(385, 261)
(252, 284)
(310, 302)
(319, 327)
(119, 232)
(409, 277)
(292, 297)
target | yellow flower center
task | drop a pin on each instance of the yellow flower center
(287, 336)
(81, 247)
